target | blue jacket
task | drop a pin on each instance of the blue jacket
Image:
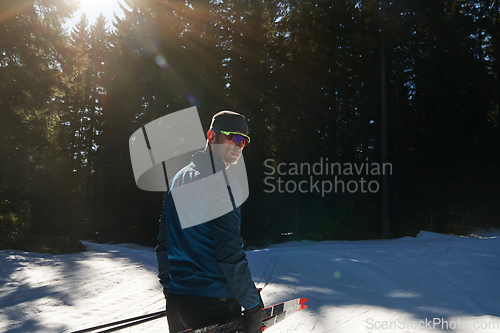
(206, 259)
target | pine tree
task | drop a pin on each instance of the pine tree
(30, 83)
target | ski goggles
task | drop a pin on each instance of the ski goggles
(237, 137)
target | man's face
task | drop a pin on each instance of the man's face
(227, 150)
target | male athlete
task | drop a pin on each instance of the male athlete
(203, 268)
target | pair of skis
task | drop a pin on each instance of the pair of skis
(272, 315)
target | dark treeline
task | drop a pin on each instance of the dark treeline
(307, 74)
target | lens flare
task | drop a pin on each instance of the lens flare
(160, 61)
(193, 101)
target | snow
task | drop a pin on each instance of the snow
(421, 284)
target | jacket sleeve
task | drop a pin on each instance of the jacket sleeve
(232, 259)
(161, 249)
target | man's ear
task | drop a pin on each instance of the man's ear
(211, 136)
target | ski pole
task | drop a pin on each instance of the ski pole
(117, 328)
(125, 322)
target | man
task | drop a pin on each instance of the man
(203, 268)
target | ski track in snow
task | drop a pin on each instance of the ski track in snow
(402, 285)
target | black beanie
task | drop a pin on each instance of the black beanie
(229, 121)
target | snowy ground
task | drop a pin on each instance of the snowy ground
(403, 285)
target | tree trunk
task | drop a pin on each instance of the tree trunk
(383, 106)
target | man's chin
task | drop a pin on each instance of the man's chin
(233, 159)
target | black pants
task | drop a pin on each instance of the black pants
(187, 311)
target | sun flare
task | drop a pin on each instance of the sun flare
(93, 8)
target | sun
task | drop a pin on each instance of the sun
(94, 8)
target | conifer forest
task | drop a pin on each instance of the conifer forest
(329, 88)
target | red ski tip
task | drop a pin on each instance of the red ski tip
(302, 307)
(303, 300)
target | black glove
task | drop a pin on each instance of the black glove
(253, 319)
